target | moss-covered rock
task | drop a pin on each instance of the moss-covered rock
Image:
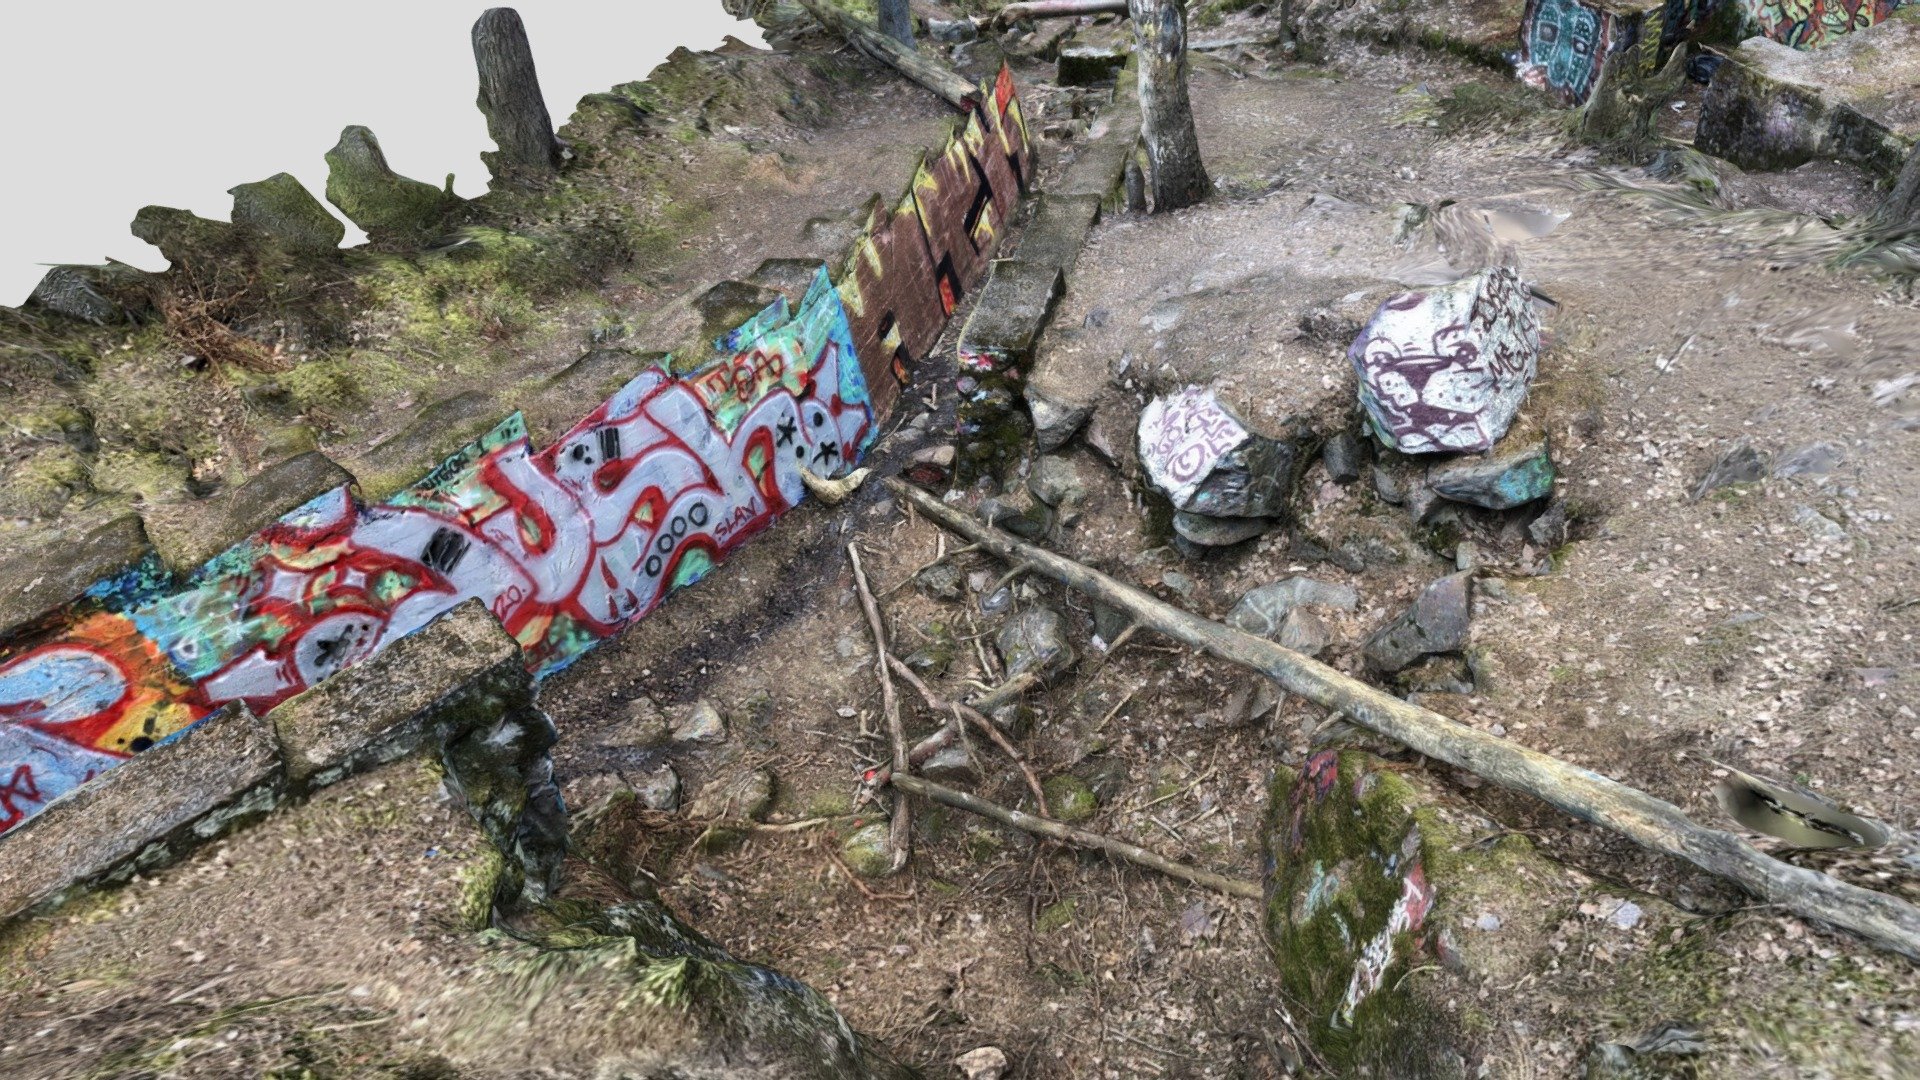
(1070, 798)
(379, 200)
(283, 208)
(868, 851)
(1390, 903)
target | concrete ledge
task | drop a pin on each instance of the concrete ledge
(1013, 310)
(145, 814)
(557, 402)
(378, 711)
(189, 534)
(458, 687)
(413, 451)
(1058, 231)
(1483, 31)
(1855, 100)
(67, 563)
(1099, 167)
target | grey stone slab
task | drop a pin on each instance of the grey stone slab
(558, 402)
(188, 534)
(1013, 309)
(65, 563)
(1098, 164)
(1856, 99)
(380, 710)
(1058, 230)
(143, 814)
(413, 451)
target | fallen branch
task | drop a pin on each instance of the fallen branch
(987, 727)
(901, 834)
(1058, 9)
(938, 78)
(1006, 691)
(1884, 920)
(1054, 830)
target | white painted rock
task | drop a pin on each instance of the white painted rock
(1202, 457)
(1446, 369)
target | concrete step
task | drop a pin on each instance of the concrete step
(1855, 100)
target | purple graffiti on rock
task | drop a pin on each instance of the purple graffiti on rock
(1446, 369)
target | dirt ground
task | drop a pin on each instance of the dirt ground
(1672, 632)
(1769, 625)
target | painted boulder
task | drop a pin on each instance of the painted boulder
(1205, 459)
(1394, 909)
(1446, 369)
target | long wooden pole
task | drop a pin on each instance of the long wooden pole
(1884, 920)
(901, 833)
(1058, 9)
(938, 78)
(1054, 830)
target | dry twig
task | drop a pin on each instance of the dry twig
(901, 825)
(977, 719)
(1054, 830)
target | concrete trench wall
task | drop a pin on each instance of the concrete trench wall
(459, 689)
(1562, 46)
(107, 650)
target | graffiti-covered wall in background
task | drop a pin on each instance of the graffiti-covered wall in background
(1565, 44)
(1808, 24)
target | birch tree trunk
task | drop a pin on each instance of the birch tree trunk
(516, 114)
(896, 21)
(1175, 175)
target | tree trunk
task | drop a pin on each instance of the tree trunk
(896, 21)
(516, 114)
(1175, 174)
(1902, 207)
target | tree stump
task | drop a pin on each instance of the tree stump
(1175, 175)
(517, 119)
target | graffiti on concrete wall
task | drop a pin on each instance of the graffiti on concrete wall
(565, 545)
(1808, 24)
(1564, 44)
(919, 257)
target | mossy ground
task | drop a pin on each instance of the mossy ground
(523, 282)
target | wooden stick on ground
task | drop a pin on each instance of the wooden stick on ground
(1884, 920)
(1058, 9)
(938, 78)
(901, 827)
(1054, 830)
(987, 727)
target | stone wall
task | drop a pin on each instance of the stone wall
(458, 689)
(460, 692)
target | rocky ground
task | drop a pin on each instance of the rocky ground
(1657, 626)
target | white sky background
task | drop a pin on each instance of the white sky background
(109, 106)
